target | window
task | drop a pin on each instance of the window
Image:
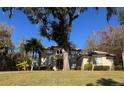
(58, 52)
(61, 51)
(49, 52)
(98, 60)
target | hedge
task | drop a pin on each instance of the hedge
(88, 67)
(101, 68)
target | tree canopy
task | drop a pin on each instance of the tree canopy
(56, 23)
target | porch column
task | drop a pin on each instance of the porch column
(32, 66)
(93, 67)
(82, 65)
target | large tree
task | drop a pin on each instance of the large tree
(6, 47)
(56, 23)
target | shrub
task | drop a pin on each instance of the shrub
(88, 67)
(22, 65)
(118, 67)
(101, 68)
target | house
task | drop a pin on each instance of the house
(54, 56)
(95, 58)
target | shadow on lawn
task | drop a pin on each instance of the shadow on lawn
(106, 82)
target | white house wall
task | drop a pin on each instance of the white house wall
(105, 61)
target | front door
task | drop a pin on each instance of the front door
(59, 64)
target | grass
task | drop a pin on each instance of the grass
(48, 78)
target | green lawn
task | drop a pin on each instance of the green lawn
(77, 78)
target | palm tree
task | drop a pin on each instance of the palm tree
(33, 47)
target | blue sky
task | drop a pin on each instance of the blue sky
(82, 27)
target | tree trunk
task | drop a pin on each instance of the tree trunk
(65, 61)
(123, 58)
